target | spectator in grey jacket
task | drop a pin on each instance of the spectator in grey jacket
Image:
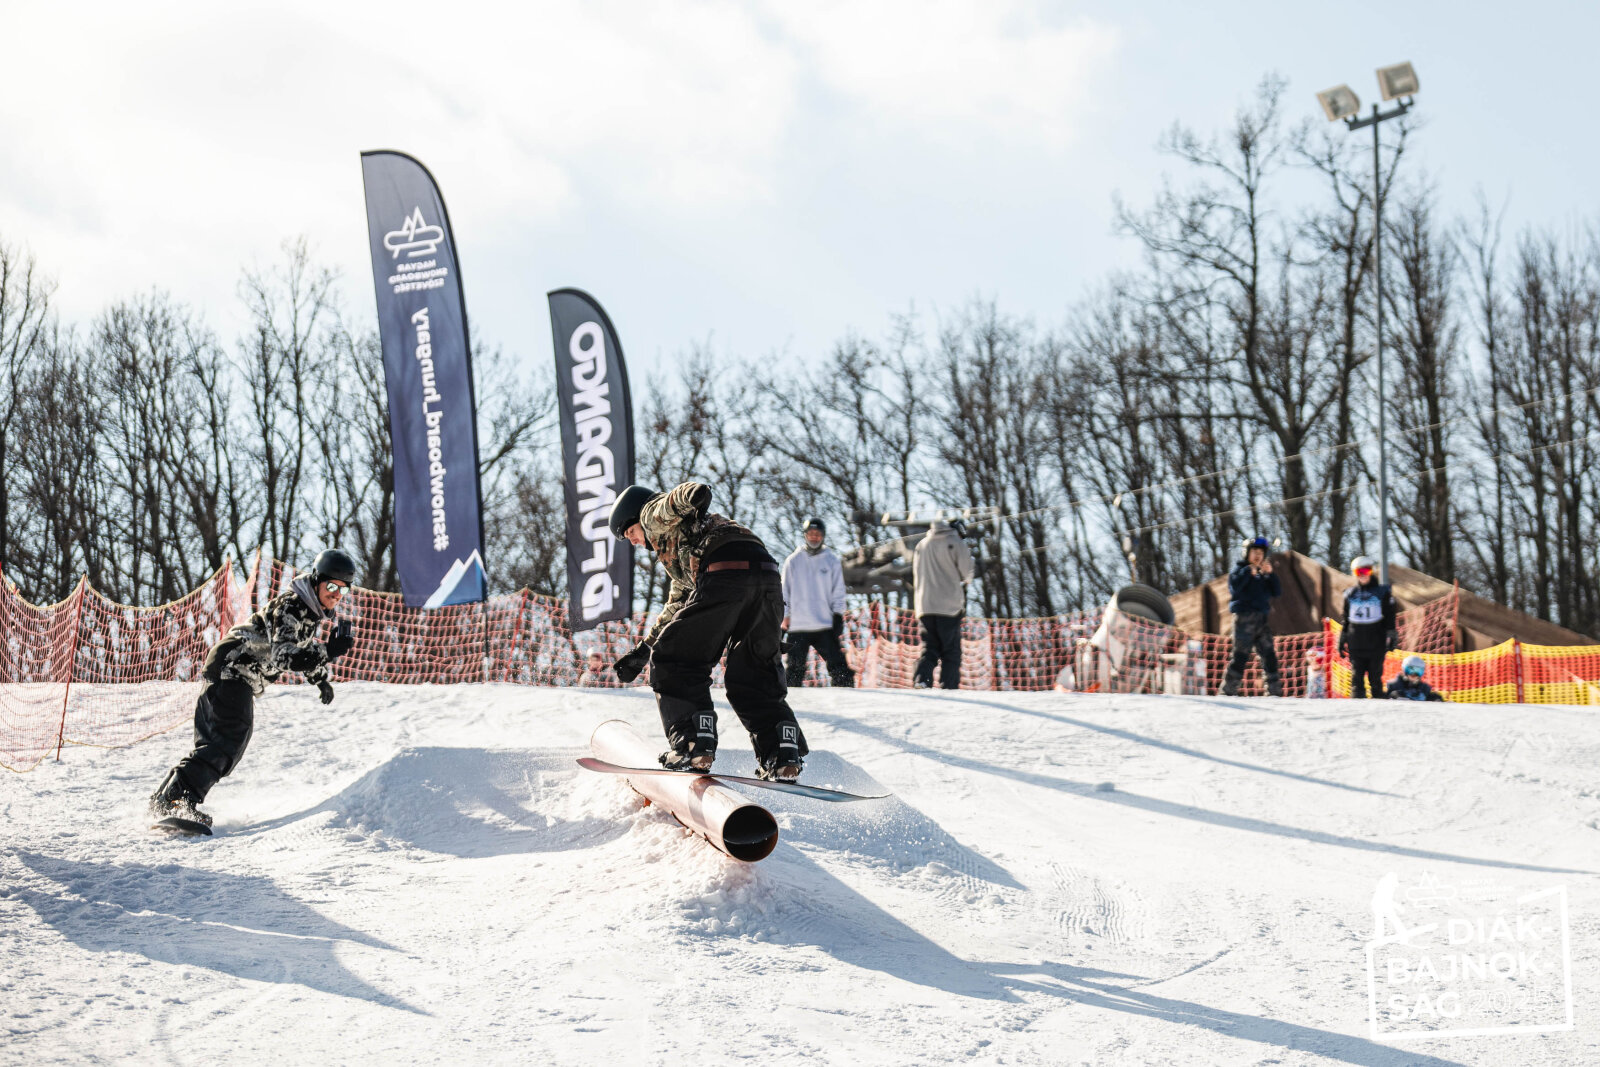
(941, 567)
(813, 607)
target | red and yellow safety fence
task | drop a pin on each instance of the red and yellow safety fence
(1508, 673)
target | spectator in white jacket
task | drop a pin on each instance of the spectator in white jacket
(813, 607)
(941, 567)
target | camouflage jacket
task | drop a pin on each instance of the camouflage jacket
(280, 637)
(681, 533)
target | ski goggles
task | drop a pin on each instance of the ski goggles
(336, 588)
(1363, 572)
(1416, 672)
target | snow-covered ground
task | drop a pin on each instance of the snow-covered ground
(421, 875)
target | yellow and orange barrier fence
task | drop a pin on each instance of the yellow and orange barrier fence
(1508, 673)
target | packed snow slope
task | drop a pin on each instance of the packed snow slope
(421, 875)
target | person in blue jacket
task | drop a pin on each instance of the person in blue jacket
(1410, 686)
(1251, 587)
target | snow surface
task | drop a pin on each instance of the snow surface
(420, 874)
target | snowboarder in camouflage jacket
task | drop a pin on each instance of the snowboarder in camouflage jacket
(281, 637)
(725, 595)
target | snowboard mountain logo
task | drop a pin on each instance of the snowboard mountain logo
(414, 237)
(464, 583)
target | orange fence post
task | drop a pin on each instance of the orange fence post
(1516, 654)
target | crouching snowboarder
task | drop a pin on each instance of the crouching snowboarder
(726, 594)
(1410, 686)
(282, 636)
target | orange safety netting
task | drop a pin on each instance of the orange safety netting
(88, 671)
(66, 669)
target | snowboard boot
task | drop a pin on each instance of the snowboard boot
(695, 759)
(783, 768)
(843, 680)
(1230, 685)
(1274, 686)
(175, 800)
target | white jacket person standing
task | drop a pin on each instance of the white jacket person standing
(813, 607)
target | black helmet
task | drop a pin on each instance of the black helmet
(625, 512)
(814, 524)
(334, 564)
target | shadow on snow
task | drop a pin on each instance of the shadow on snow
(824, 913)
(241, 925)
(1158, 806)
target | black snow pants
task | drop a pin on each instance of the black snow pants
(1252, 633)
(826, 642)
(223, 718)
(941, 644)
(1365, 665)
(740, 611)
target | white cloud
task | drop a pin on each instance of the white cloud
(949, 66)
(172, 143)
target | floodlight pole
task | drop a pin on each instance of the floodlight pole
(1354, 123)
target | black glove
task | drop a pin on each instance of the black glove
(1344, 647)
(326, 692)
(341, 641)
(1391, 640)
(629, 666)
(838, 624)
(700, 500)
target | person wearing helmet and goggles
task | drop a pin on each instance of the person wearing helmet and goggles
(281, 637)
(1369, 628)
(1410, 686)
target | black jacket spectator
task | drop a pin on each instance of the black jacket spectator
(1370, 617)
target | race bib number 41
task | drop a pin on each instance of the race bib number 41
(1364, 609)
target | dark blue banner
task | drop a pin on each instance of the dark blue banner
(427, 365)
(596, 416)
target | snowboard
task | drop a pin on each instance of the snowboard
(815, 792)
(176, 827)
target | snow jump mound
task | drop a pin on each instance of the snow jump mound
(474, 803)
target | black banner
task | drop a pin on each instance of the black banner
(427, 365)
(596, 456)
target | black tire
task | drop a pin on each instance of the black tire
(1145, 602)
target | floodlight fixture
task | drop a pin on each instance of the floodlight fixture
(1340, 102)
(1397, 81)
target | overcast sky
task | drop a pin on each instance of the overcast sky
(768, 176)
